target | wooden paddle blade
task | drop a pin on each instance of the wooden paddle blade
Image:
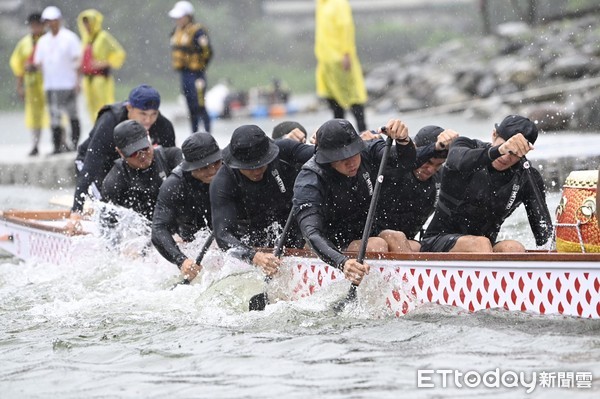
(182, 282)
(259, 302)
(350, 297)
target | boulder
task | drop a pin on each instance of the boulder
(549, 116)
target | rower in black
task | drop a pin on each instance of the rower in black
(333, 191)
(410, 198)
(251, 194)
(135, 179)
(97, 154)
(183, 204)
(482, 185)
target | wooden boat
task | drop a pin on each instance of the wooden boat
(37, 235)
(536, 281)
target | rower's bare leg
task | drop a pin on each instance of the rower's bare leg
(375, 244)
(509, 246)
(415, 246)
(472, 244)
(396, 240)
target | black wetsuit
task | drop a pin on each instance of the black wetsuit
(183, 207)
(96, 155)
(138, 189)
(475, 198)
(407, 202)
(331, 209)
(245, 214)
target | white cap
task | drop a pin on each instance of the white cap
(181, 9)
(50, 13)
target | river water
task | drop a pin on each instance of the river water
(106, 325)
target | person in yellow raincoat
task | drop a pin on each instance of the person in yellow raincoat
(101, 54)
(339, 74)
(29, 80)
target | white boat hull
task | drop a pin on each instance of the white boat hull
(567, 288)
(538, 282)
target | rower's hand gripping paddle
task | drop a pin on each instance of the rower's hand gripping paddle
(260, 301)
(351, 296)
(203, 251)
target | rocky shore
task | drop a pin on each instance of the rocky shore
(550, 73)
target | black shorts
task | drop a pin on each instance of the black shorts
(439, 243)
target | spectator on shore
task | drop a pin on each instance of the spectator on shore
(58, 53)
(102, 54)
(191, 53)
(30, 86)
(339, 74)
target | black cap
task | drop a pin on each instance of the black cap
(285, 127)
(336, 140)
(130, 136)
(199, 150)
(514, 124)
(249, 148)
(427, 135)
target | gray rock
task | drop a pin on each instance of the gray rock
(587, 114)
(549, 116)
(487, 85)
(572, 67)
(513, 30)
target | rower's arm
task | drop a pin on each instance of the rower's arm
(467, 155)
(294, 152)
(225, 217)
(401, 159)
(162, 132)
(308, 201)
(164, 222)
(311, 225)
(100, 150)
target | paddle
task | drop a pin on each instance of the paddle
(260, 301)
(536, 192)
(203, 251)
(351, 296)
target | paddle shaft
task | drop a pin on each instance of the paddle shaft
(278, 251)
(281, 240)
(370, 217)
(536, 192)
(209, 240)
(260, 301)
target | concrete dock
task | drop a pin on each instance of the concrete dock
(555, 154)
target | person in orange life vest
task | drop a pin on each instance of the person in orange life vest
(190, 53)
(102, 53)
(29, 80)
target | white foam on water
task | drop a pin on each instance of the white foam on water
(107, 324)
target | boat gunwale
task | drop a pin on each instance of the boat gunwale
(508, 258)
(34, 218)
